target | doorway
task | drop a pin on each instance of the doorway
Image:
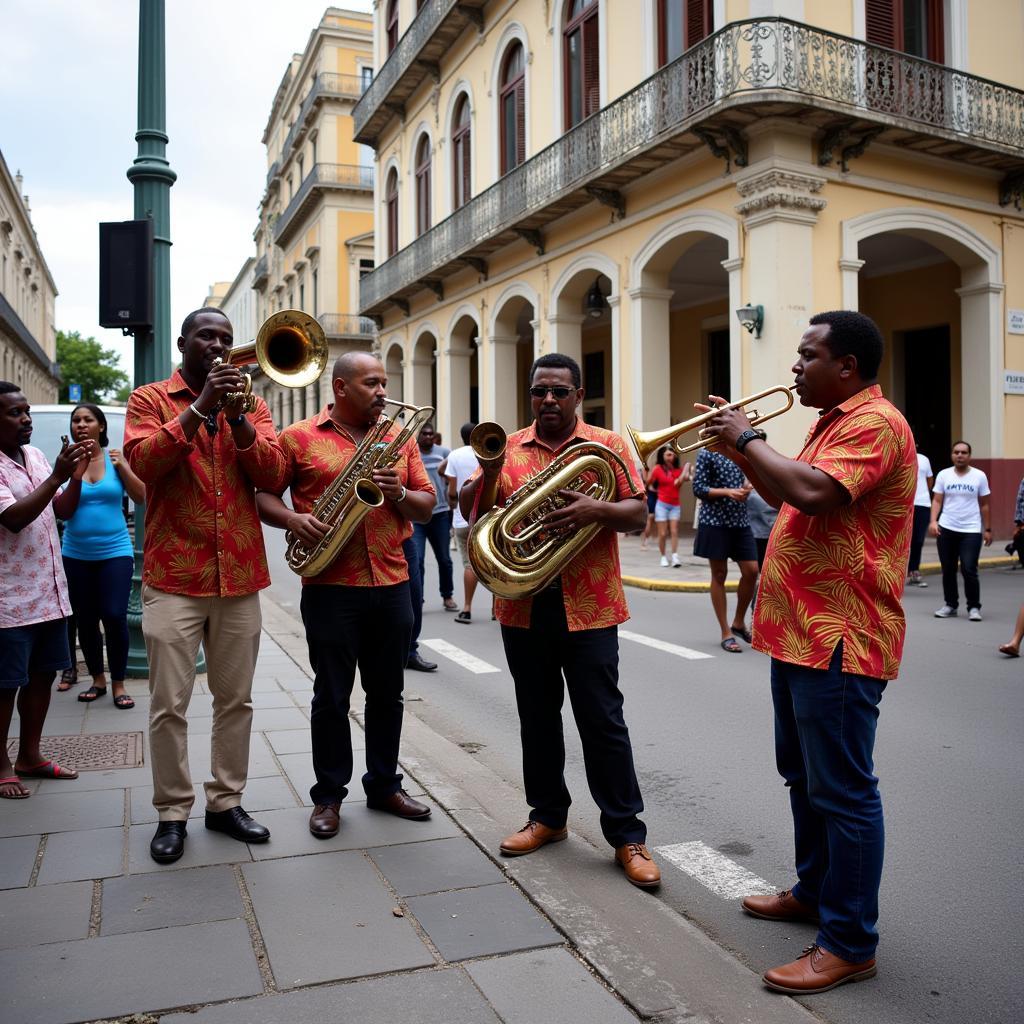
(926, 375)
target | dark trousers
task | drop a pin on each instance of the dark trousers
(99, 593)
(438, 532)
(346, 627)
(412, 558)
(539, 658)
(825, 721)
(963, 549)
(922, 517)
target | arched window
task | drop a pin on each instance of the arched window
(681, 24)
(512, 108)
(391, 24)
(391, 206)
(582, 62)
(462, 187)
(423, 185)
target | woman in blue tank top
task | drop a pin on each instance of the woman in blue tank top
(98, 555)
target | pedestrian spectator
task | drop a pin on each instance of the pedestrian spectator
(922, 516)
(666, 478)
(34, 603)
(1017, 542)
(414, 659)
(459, 467)
(960, 520)
(762, 518)
(723, 533)
(98, 555)
(1012, 649)
(437, 531)
(652, 503)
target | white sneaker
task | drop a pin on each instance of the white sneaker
(664, 561)
(974, 615)
(945, 612)
(675, 562)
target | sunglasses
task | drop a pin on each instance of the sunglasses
(559, 392)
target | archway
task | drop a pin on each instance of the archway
(422, 376)
(393, 367)
(510, 347)
(460, 397)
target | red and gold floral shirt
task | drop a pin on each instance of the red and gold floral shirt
(592, 581)
(203, 534)
(317, 450)
(838, 576)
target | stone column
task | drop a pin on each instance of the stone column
(567, 334)
(500, 400)
(649, 325)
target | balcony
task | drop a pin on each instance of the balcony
(261, 273)
(322, 178)
(348, 325)
(418, 55)
(325, 86)
(850, 91)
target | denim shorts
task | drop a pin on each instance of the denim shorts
(666, 513)
(33, 650)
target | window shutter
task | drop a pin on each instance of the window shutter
(883, 21)
(520, 154)
(591, 67)
(466, 168)
(698, 21)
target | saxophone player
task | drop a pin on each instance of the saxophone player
(357, 610)
(567, 634)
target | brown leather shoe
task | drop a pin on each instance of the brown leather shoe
(325, 820)
(636, 860)
(817, 970)
(401, 805)
(783, 906)
(532, 836)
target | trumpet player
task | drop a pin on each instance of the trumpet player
(356, 611)
(565, 637)
(201, 458)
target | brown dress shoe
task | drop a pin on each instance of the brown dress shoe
(636, 860)
(817, 970)
(401, 805)
(532, 836)
(783, 906)
(325, 820)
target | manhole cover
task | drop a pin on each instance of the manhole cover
(99, 752)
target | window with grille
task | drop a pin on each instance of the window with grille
(512, 112)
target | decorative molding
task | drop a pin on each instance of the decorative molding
(732, 148)
(780, 194)
(609, 197)
(533, 237)
(1011, 190)
(854, 266)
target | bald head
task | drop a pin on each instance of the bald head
(359, 382)
(354, 364)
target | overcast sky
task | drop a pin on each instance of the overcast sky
(68, 117)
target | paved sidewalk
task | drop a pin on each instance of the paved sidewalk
(391, 921)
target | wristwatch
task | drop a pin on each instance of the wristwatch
(236, 421)
(748, 435)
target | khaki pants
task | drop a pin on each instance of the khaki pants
(174, 625)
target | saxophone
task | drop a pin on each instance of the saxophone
(511, 551)
(352, 494)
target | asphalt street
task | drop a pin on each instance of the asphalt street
(948, 755)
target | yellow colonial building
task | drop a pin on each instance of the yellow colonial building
(28, 335)
(616, 179)
(315, 235)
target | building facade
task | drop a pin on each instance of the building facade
(315, 234)
(28, 334)
(615, 180)
(237, 300)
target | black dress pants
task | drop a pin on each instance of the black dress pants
(545, 660)
(346, 627)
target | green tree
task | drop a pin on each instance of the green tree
(85, 361)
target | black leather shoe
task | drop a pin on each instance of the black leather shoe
(401, 805)
(169, 842)
(237, 824)
(416, 662)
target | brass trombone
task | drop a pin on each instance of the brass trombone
(648, 443)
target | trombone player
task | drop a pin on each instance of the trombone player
(566, 636)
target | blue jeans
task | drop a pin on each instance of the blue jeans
(962, 548)
(412, 559)
(825, 722)
(438, 532)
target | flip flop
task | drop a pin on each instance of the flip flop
(1008, 651)
(743, 634)
(464, 617)
(68, 678)
(10, 781)
(93, 693)
(46, 770)
(730, 645)
(124, 702)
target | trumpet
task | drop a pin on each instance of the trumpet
(488, 443)
(649, 442)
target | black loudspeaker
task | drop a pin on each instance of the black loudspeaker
(126, 273)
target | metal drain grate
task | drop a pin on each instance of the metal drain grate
(98, 752)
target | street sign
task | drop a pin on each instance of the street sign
(74, 392)
(1015, 321)
(1013, 382)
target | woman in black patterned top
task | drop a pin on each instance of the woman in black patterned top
(723, 532)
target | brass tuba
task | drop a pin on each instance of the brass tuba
(351, 495)
(290, 348)
(510, 550)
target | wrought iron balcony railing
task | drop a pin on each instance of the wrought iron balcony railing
(325, 84)
(791, 66)
(347, 325)
(261, 273)
(349, 177)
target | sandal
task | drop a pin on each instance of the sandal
(124, 702)
(93, 693)
(68, 678)
(19, 794)
(464, 617)
(46, 770)
(1009, 650)
(743, 633)
(730, 645)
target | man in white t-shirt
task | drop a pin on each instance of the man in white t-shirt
(461, 465)
(961, 520)
(922, 516)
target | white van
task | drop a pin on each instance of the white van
(49, 422)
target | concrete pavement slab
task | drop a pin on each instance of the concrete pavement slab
(261, 759)
(328, 918)
(299, 769)
(17, 858)
(292, 741)
(65, 810)
(477, 922)
(414, 869)
(422, 997)
(111, 778)
(43, 914)
(91, 853)
(559, 987)
(262, 794)
(202, 847)
(267, 719)
(120, 974)
(276, 698)
(197, 896)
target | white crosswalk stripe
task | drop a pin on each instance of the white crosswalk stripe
(663, 645)
(468, 661)
(724, 877)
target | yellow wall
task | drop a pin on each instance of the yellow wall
(350, 224)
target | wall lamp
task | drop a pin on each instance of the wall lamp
(751, 318)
